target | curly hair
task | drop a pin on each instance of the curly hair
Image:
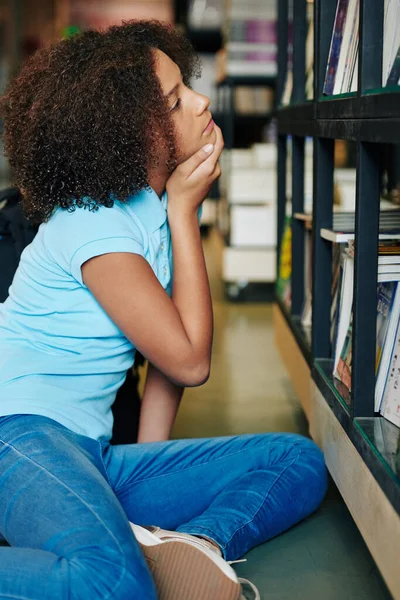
(85, 118)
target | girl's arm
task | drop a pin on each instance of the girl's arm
(175, 335)
(160, 404)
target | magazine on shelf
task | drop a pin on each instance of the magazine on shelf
(394, 75)
(388, 314)
(343, 371)
(390, 407)
(306, 317)
(389, 252)
(336, 286)
(388, 275)
(350, 75)
(284, 282)
(336, 42)
(391, 42)
(345, 300)
(348, 50)
(310, 58)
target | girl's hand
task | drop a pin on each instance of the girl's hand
(190, 182)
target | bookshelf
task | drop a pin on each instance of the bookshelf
(246, 107)
(361, 447)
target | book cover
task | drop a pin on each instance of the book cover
(306, 317)
(385, 297)
(390, 408)
(283, 284)
(310, 59)
(345, 360)
(335, 309)
(347, 45)
(387, 344)
(394, 74)
(336, 42)
(352, 52)
(346, 305)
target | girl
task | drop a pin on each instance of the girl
(114, 153)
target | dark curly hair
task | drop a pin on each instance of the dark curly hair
(85, 118)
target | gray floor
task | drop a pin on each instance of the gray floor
(249, 391)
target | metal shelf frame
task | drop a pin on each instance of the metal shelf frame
(370, 117)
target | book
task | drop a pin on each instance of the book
(336, 291)
(347, 49)
(288, 89)
(343, 370)
(336, 42)
(284, 281)
(391, 37)
(350, 79)
(341, 237)
(390, 407)
(346, 305)
(306, 316)
(384, 304)
(389, 252)
(388, 314)
(394, 75)
(310, 58)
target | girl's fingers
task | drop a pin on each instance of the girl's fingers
(207, 167)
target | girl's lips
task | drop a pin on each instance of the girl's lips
(210, 126)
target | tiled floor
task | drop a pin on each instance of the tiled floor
(323, 558)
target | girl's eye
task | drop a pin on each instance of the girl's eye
(176, 105)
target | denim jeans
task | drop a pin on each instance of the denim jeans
(66, 501)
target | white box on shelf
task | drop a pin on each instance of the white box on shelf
(251, 68)
(264, 155)
(253, 225)
(249, 264)
(252, 185)
(241, 158)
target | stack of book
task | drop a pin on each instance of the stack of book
(341, 72)
(247, 216)
(255, 100)
(387, 366)
(252, 45)
(309, 66)
(341, 233)
(342, 69)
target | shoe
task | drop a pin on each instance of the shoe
(165, 534)
(249, 590)
(185, 567)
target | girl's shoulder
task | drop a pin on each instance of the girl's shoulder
(73, 236)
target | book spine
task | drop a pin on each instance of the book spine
(350, 58)
(334, 53)
(394, 74)
(390, 408)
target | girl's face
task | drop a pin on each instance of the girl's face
(189, 110)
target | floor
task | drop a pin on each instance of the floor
(249, 391)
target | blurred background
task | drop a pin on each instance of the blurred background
(237, 43)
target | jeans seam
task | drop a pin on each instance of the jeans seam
(104, 466)
(83, 501)
(264, 499)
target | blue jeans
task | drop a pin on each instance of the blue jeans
(65, 502)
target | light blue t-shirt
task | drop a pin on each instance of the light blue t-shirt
(61, 356)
